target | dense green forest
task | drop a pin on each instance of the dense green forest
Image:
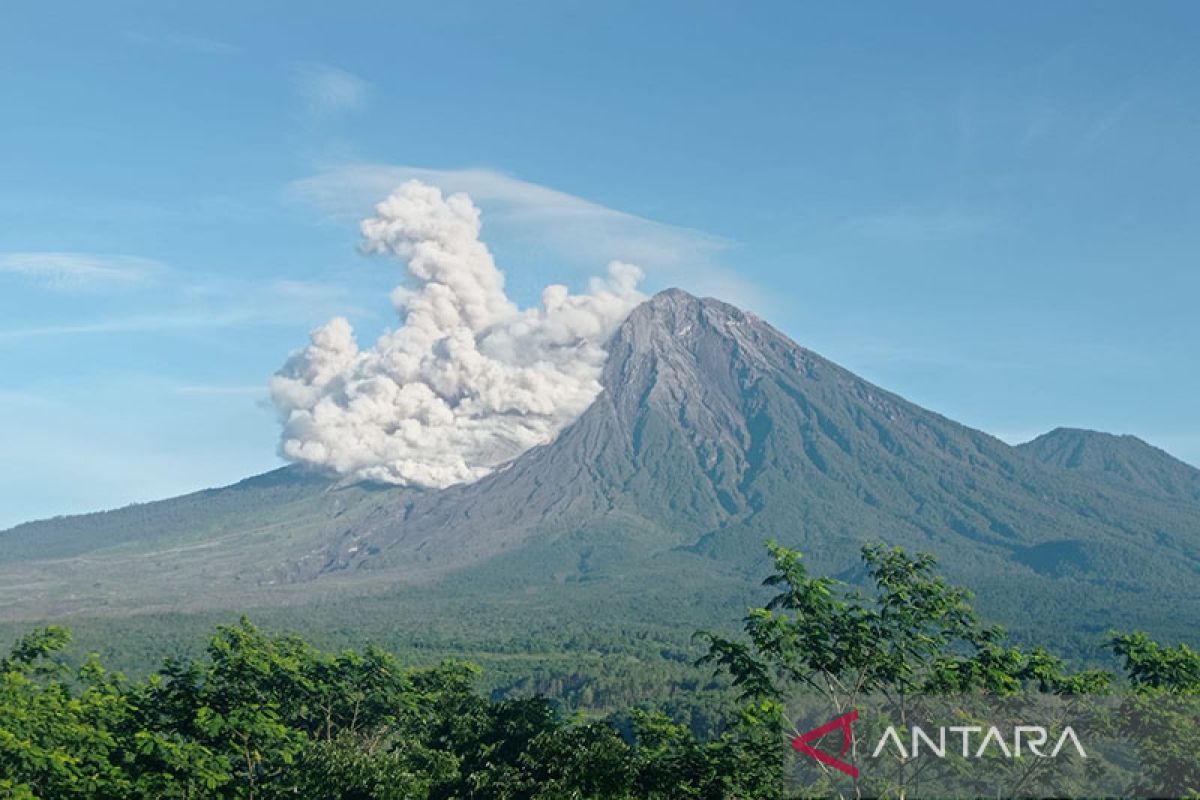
(259, 715)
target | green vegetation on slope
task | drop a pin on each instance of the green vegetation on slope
(1123, 460)
(262, 716)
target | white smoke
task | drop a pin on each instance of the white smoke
(469, 380)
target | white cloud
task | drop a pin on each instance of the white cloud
(74, 271)
(571, 228)
(469, 380)
(329, 91)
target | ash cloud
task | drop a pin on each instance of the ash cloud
(469, 380)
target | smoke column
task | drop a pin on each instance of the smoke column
(468, 381)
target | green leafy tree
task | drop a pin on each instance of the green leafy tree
(914, 635)
(267, 716)
(1162, 718)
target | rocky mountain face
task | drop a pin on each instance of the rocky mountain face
(714, 433)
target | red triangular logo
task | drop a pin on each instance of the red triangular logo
(842, 723)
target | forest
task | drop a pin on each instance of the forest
(266, 715)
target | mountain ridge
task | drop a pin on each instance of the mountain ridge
(714, 432)
(1122, 458)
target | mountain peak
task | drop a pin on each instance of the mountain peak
(1123, 459)
(674, 320)
(1065, 432)
(676, 304)
(673, 294)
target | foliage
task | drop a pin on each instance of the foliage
(914, 643)
(915, 634)
(271, 716)
(1163, 717)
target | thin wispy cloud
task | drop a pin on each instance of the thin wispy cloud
(578, 230)
(872, 354)
(134, 323)
(75, 271)
(222, 391)
(329, 91)
(23, 399)
(1037, 128)
(312, 292)
(209, 303)
(1106, 121)
(182, 42)
(924, 226)
(1011, 357)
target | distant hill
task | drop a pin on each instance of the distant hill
(1125, 460)
(714, 432)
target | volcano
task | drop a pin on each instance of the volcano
(714, 432)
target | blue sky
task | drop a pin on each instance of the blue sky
(988, 208)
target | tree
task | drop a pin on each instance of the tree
(1162, 716)
(912, 637)
(265, 716)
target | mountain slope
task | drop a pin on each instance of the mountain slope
(1125, 460)
(714, 433)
